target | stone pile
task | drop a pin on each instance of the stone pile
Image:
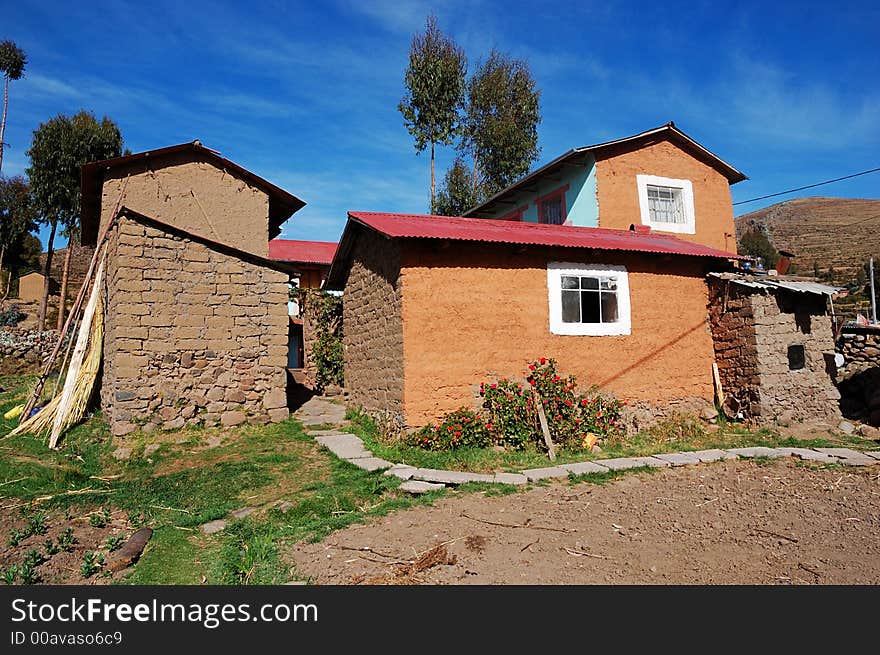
(859, 378)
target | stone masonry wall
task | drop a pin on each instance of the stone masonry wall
(373, 333)
(193, 335)
(733, 333)
(859, 377)
(790, 318)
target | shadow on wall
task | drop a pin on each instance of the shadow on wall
(860, 396)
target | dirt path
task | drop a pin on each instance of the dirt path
(735, 522)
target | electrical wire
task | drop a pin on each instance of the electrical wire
(809, 186)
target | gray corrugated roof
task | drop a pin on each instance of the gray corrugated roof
(771, 282)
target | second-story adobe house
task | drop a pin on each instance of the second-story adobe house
(661, 178)
(196, 310)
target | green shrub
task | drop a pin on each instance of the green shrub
(461, 428)
(12, 316)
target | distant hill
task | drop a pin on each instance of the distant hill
(838, 232)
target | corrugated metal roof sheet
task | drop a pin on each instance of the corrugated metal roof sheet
(305, 252)
(493, 231)
(771, 282)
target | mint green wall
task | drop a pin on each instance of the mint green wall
(581, 202)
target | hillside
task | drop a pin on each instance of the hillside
(838, 232)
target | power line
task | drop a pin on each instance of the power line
(809, 186)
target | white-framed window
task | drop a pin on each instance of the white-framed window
(588, 299)
(667, 204)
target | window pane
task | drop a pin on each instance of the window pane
(609, 283)
(590, 307)
(589, 283)
(571, 311)
(609, 307)
(569, 282)
(551, 211)
(665, 204)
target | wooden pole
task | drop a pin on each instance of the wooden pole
(74, 311)
(551, 449)
(873, 291)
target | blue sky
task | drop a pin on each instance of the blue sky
(305, 93)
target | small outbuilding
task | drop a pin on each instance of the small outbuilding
(774, 345)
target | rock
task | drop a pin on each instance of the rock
(511, 478)
(785, 418)
(580, 468)
(130, 551)
(417, 487)
(709, 413)
(188, 412)
(712, 455)
(596, 449)
(278, 415)
(213, 526)
(544, 473)
(275, 398)
(286, 505)
(243, 512)
(168, 413)
(232, 418)
(121, 453)
(213, 442)
(370, 463)
(401, 471)
(122, 396)
(150, 449)
(846, 427)
(122, 428)
(679, 459)
(174, 424)
(451, 477)
(869, 432)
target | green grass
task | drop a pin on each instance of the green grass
(672, 435)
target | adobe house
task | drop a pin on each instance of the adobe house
(774, 345)
(196, 311)
(309, 261)
(435, 305)
(660, 178)
(30, 287)
(597, 259)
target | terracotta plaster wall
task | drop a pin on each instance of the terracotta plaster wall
(472, 312)
(195, 196)
(618, 195)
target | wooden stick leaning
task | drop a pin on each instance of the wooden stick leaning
(74, 311)
(551, 449)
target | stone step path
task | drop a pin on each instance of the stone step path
(350, 447)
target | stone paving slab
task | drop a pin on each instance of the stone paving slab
(370, 463)
(624, 463)
(859, 461)
(712, 455)
(341, 438)
(213, 526)
(451, 477)
(419, 487)
(510, 478)
(679, 459)
(808, 454)
(349, 451)
(580, 468)
(544, 473)
(402, 471)
(873, 453)
(755, 451)
(327, 433)
(842, 453)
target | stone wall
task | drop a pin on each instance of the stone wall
(859, 378)
(752, 331)
(732, 321)
(194, 334)
(24, 351)
(373, 333)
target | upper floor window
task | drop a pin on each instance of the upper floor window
(588, 299)
(515, 215)
(551, 207)
(666, 204)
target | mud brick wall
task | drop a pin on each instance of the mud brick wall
(732, 321)
(373, 332)
(193, 335)
(859, 378)
(752, 331)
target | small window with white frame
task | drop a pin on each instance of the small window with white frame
(666, 204)
(588, 299)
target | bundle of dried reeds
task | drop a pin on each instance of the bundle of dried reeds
(70, 405)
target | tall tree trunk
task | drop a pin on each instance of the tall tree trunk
(432, 177)
(3, 121)
(62, 303)
(44, 302)
(9, 277)
(474, 179)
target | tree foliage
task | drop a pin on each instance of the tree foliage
(435, 84)
(17, 215)
(502, 117)
(458, 192)
(12, 64)
(756, 244)
(59, 147)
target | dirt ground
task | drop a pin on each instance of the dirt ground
(736, 522)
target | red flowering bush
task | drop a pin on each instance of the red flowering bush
(459, 428)
(509, 415)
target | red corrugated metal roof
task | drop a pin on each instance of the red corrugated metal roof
(567, 236)
(305, 252)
